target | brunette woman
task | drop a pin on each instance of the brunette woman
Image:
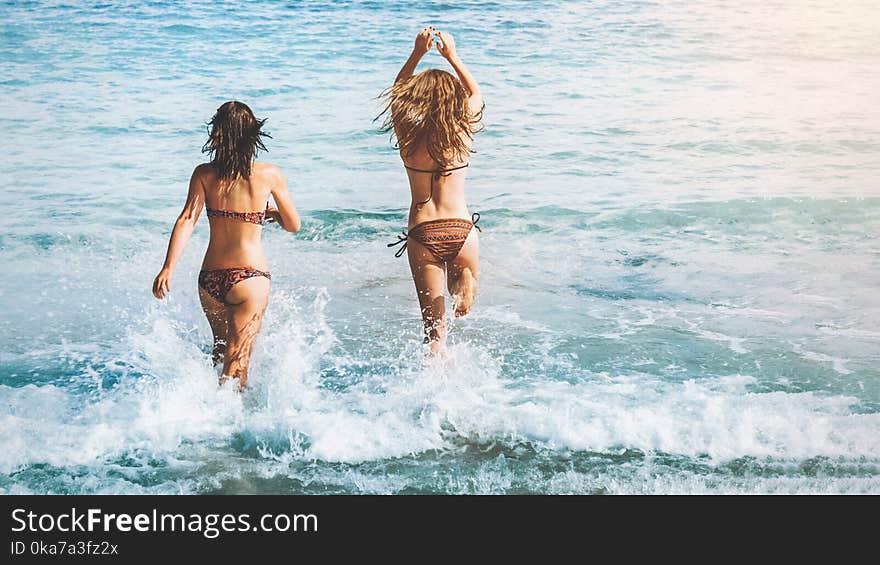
(235, 190)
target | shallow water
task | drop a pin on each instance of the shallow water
(680, 260)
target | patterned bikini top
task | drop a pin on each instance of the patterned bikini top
(249, 217)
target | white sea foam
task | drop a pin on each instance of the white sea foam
(422, 405)
(694, 282)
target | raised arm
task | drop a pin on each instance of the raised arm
(180, 235)
(424, 42)
(286, 214)
(446, 47)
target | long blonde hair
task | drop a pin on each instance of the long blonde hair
(431, 108)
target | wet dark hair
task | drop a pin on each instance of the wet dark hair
(234, 138)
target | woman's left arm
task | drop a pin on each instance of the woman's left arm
(180, 235)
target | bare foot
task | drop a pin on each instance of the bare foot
(238, 386)
(464, 293)
(217, 354)
(438, 348)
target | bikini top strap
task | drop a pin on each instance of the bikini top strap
(435, 175)
(449, 171)
(415, 170)
(437, 172)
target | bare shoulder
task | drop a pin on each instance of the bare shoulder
(203, 172)
(270, 172)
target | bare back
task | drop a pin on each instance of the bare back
(236, 243)
(445, 199)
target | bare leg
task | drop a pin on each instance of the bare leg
(462, 273)
(246, 304)
(215, 311)
(428, 276)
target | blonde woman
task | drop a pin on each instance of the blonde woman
(434, 116)
(235, 190)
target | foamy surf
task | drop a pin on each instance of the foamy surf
(675, 296)
(303, 410)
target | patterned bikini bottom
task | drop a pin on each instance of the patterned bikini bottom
(443, 238)
(218, 282)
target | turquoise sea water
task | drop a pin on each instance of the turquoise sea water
(680, 263)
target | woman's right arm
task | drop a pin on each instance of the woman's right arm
(446, 47)
(180, 235)
(286, 214)
(424, 42)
